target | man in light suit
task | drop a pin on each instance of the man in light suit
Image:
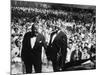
(31, 50)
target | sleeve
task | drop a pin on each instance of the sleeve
(72, 56)
(44, 43)
(24, 42)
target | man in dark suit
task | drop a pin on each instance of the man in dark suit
(76, 55)
(57, 49)
(31, 50)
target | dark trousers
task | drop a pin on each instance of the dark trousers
(58, 62)
(55, 64)
(33, 60)
(58, 57)
(37, 67)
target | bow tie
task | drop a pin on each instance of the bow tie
(33, 35)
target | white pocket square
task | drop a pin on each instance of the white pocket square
(40, 41)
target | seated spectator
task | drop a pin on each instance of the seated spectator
(85, 53)
(76, 55)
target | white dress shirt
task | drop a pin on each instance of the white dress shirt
(54, 36)
(33, 40)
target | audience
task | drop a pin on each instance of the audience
(80, 29)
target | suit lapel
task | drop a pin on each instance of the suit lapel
(56, 35)
(34, 42)
(38, 39)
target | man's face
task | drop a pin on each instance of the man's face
(69, 45)
(75, 37)
(34, 30)
(76, 47)
(85, 50)
(86, 44)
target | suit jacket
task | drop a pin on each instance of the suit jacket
(29, 54)
(73, 58)
(59, 42)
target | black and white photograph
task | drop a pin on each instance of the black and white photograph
(51, 37)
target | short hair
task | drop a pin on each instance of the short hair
(33, 27)
(86, 48)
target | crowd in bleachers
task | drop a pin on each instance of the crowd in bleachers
(80, 28)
